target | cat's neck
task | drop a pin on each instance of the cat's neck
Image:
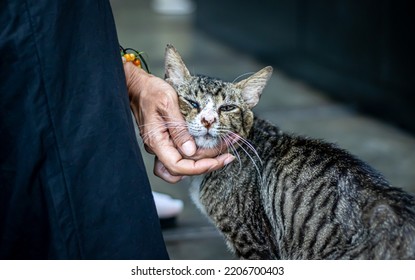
(263, 140)
(262, 131)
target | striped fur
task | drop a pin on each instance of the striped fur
(315, 201)
(288, 197)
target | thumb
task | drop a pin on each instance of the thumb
(179, 132)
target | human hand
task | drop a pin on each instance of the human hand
(155, 106)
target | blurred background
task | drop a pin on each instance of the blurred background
(342, 72)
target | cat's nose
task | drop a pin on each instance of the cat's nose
(208, 121)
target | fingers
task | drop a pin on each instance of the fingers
(157, 110)
(178, 132)
(161, 171)
(171, 166)
(210, 153)
(188, 148)
(148, 149)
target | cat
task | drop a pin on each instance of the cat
(286, 196)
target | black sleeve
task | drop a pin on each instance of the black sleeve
(72, 181)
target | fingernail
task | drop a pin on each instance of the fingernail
(229, 159)
(188, 148)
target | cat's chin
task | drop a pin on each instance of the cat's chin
(206, 142)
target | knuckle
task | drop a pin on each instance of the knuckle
(173, 171)
(148, 149)
(153, 140)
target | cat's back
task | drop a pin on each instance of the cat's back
(325, 203)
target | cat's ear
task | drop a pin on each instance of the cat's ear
(176, 72)
(252, 87)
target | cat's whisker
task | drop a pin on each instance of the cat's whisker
(171, 119)
(230, 142)
(157, 125)
(234, 138)
(154, 130)
(179, 136)
(252, 160)
(233, 150)
(167, 124)
(243, 75)
(218, 149)
(149, 134)
(151, 124)
(237, 138)
(248, 144)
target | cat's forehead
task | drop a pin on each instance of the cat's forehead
(207, 84)
(203, 85)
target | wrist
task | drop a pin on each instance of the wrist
(133, 75)
(135, 57)
(133, 63)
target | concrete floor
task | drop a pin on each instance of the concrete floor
(289, 103)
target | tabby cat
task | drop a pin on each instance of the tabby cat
(287, 197)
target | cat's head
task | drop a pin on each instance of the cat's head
(214, 110)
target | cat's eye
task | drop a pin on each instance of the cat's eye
(227, 108)
(194, 104)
